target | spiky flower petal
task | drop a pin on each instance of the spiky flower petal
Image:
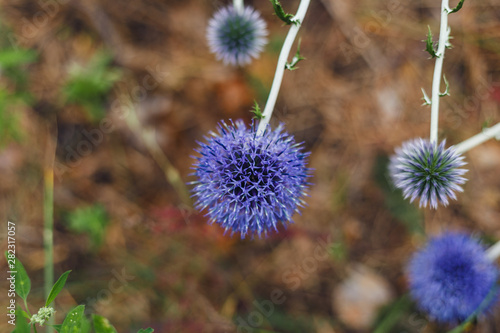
(451, 278)
(236, 37)
(250, 183)
(424, 169)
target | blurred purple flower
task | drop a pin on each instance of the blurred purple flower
(249, 183)
(236, 37)
(424, 169)
(451, 278)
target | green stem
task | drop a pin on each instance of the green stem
(26, 307)
(48, 246)
(48, 213)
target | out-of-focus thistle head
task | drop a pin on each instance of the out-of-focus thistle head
(236, 37)
(451, 278)
(428, 171)
(249, 182)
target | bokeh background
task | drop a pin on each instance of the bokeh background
(120, 92)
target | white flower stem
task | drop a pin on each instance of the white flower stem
(238, 5)
(444, 34)
(280, 67)
(485, 135)
(493, 252)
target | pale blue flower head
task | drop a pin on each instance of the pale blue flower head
(451, 278)
(236, 37)
(427, 171)
(250, 183)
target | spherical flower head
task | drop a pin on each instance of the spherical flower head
(236, 37)
(250, 182)
(424, 169)
(452, 278)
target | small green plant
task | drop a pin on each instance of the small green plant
(89, 85)
(75, 320)
(92, 221)
(13, 89)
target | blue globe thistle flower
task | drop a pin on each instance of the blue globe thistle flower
(451, 278)
(236, 37)
(248, 182)
(424, 169)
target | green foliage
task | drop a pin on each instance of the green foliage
(9, 117)
(89, 85)
(295, 60)
(392, 314)
(280, 12)
(90, 220)
(13, 87)
(146, 330)
(283, 322)
(429, 44)
(401, 209)
(338, 250)
(458, 7)
(22, 282)
(75, 321)
(56, 289)
(102, 325)
(22, 326)
(257, 111)
(13, 58)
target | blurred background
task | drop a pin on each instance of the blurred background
(120, 92)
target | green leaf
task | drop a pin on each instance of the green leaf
(256, 111)
(429, 44)
(89, 85)
(15, 57)
(280, 12)
(458, 7)
(91, 220)
(56, 289)
(22, 325)
(392, 314)
(74, 321)
(22, 280)
(295, 60)
(146, 330)
(102, 325)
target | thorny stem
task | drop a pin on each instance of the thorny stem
(444, 34)
(477, 139)
(238, 5)
(280, 68)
